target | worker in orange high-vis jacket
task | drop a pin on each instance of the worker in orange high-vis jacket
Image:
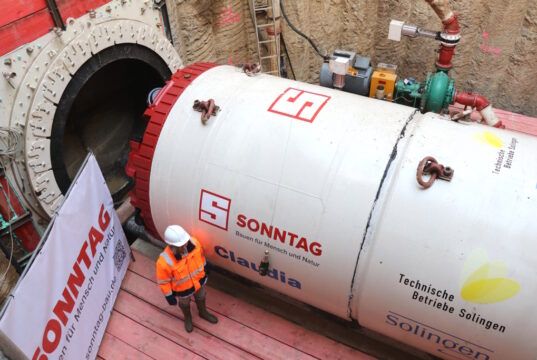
(182, 272)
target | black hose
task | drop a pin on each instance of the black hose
(52, 6)
(161, 5)
(288, 57)
(324, 56)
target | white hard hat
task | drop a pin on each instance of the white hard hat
(176, 235)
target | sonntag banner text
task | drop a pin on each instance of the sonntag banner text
(61, 307)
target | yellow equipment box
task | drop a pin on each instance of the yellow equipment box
(386, 78)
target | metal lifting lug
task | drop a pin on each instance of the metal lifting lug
(207, 108)
(429, 166)
(251, 69)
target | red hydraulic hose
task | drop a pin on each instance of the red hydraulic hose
(446, 52)
(472, 100)
(450, 35)
(481, 104)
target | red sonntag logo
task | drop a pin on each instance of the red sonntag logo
(214, 209)
(299, 104)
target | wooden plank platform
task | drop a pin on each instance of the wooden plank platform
(144, 326)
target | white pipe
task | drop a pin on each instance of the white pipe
(326, 181)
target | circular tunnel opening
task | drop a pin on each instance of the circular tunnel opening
(101, 110)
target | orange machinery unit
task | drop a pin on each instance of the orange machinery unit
(384, 75)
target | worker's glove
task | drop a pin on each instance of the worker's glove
(171, 299)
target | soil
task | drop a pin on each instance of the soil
(494, 58)
(8, 282)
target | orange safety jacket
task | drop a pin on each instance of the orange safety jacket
(182, 276)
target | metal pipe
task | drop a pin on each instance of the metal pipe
(441, 8)
(125, 211)
(139, 231)
(359, 239)
(52, 6)
(161, 6)
(414, 31)
(482, 105)
(450, 37)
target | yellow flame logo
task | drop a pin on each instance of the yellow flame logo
(484, 282)
(489, 138)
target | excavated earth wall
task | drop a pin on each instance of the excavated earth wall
(496, 56)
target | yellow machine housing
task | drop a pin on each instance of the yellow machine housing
(384, 75)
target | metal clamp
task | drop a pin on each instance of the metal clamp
(9, 76)
(462, 116)
(207, 108)
(251, 69)
(429, 166)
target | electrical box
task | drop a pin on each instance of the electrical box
(395, 30)
(339, 65)
(385, 76)
(357, 74)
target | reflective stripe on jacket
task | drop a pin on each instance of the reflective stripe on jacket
(182, 276)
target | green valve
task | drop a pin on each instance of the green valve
(435, 94)
(408, 93)
(438, 93)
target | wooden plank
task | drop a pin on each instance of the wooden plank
(113, 349)
(13, 10)
(272, 325)
(143, 266)
(25, 30)
(172, 328)
(145, 340)
(227, 329)
(278, 328)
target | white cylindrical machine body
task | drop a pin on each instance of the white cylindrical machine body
(326, 181)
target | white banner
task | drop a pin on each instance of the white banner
(61, 308)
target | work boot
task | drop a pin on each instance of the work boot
(204, 314)
(188, 318)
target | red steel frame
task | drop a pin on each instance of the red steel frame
(24, 21)
(141, 156)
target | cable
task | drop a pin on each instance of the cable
(288, 57)
(10, 142)
(324, 56)
(152, 96)
(2, 278)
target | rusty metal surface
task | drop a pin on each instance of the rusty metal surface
(430, 166)
(207, 108)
